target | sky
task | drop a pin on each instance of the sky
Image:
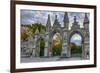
(36, 16)
(76, 38)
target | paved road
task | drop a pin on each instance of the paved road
(34, 59)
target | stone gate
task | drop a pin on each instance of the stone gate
(66, 35)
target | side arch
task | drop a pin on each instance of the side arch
(78, 32)
(39, 50)
(71, 33)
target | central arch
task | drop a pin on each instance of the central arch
(56, 42)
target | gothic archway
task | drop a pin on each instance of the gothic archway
(56, 43)
(76, 44)
(40, 47)
(56, 46)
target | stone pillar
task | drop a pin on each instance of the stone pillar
(86, 35)
(86, 51)
(33, 52)
(36, 46)
(35, 39)
(46, 45)
(50, 47)
(65, 50)
(65, 47)
(69, 51)
(83, 51)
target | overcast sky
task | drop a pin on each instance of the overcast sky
(34, 16)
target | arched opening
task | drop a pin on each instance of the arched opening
(56, 44)
(42, 46)
(76, 45)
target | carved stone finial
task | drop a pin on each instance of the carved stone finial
(75, 19)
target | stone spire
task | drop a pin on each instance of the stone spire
(86, 22)
(48, 25)
(56, 23)
(75, 24)
(64, 51)
(66, 20)
(75, 21)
